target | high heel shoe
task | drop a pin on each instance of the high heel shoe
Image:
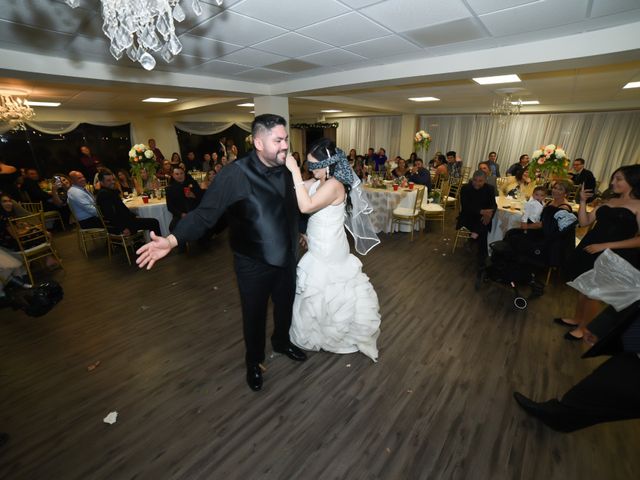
(573, 338)
(560, 321)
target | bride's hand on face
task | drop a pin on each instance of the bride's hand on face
(291, 163)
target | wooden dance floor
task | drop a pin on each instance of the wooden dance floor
(437, 405)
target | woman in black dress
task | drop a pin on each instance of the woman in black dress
(617, 227)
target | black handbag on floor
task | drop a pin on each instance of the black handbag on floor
(42, 298)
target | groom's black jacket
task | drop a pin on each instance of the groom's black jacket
(261, 209)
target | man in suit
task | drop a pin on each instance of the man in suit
(492, 160)
(257, 193)
(118, 217)
(183, 195)
(581, 176)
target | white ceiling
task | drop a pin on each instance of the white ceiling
(361, 56)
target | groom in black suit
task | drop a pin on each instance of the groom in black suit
(257, 193)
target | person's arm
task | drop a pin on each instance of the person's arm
(324, 197)
(633, 242)
(585, 218)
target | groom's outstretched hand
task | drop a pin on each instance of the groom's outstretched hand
(156, 249)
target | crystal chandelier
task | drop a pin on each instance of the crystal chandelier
(505, 108)
(15, 111)
(136, 27)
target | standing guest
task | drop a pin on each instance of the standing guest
(493, 164)
(183, 195)
(165, 171)
(8, 176)
(522, 163)
(582, 176)
(81, 202)
(232, 151)
(90, 162)
(175, 159)
(222, 147)
(491, 180)
(477, 206)
(119, 218)
(380, 159)
(420, 175)
(401, 170)
(454, 166)
(206, 162)
(126, 183)
(258, 194)
(156, 151)
(617, 223)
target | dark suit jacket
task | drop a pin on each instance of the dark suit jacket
(178, 203)
(116, 214)
(36, 194)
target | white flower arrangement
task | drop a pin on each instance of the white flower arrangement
(551, 159)
(422, 140)
(141, 156)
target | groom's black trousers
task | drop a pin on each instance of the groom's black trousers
(257, 283)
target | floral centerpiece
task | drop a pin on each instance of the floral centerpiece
(422, 140)
(377, 182)
(141, 156)
(549, 161)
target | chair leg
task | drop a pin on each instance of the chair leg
(27, 264)
(549, 270)
(455, 242)
(109, 246)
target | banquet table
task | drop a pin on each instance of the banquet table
(156, 208)
(384, 201)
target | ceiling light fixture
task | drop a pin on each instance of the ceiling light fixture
(15, 111)
(505, 108)
(331, 111)
(632, 85)
(140, 26)
(525, 102)
(159, 100)
(245, 105)
(32, 103)
(424, 99)
(497, 79)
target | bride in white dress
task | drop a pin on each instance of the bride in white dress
(335, 307)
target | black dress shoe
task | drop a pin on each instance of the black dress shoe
(560, 321)
(254, 377)
(293, 352)
(555, 414)
(573, 338)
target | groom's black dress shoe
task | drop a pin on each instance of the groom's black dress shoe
(291, 351)
(556, 415)
(254, 377)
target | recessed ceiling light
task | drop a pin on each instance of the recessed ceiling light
(43, 104)
(632, 85)
(526, 102)
(497, 79)
(245, 105)
(331, 111)
(159, 100)
(424, 99)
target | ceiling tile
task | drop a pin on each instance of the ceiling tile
(401, 15)
(206, 47)
(191, 19)
(448, 33)
(30, 39)
(217, 67)
(607, 7)
(233, 28)
(291, 14)
(482, 7)
(360, 3)
(383, 47)
(252, 57)
(293, 45)
(262, 75)
(57, 17)
(345, 30)
(181, 63)
(95, 45)
(292, 66)
(333, 57)
(551, 13)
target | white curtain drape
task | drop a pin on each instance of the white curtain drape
(210, 128)
(606, 140)
(375, 132)
(61, 127)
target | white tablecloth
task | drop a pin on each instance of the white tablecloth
(154, 209)
(384, 201)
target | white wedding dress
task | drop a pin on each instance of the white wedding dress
(335, 308)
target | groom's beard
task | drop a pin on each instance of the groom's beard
(281, 160)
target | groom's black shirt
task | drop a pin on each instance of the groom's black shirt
(261, 210)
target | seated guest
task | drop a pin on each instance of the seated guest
(146, 183)
(521, 185)
(175, 159)
(581, 176)
(50, 201)
(119, 218)
(401, 170)
(125, 182)
(206, 163)
(477, 206)
(412, 158)
(380, 159)
(190, 162)
(420, 175)
(81, 202)
(9, 209)
(454, 166)
(522, 163)
(442, 171)
(165, 171)
(208, 179)
(491, 179)
(352, 156)
(358, 167)
(183, 195)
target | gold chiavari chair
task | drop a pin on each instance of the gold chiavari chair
(87, 235)
(409, 216)
(124, 241)
(35, 207)
(435, 212)
(462, 232)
